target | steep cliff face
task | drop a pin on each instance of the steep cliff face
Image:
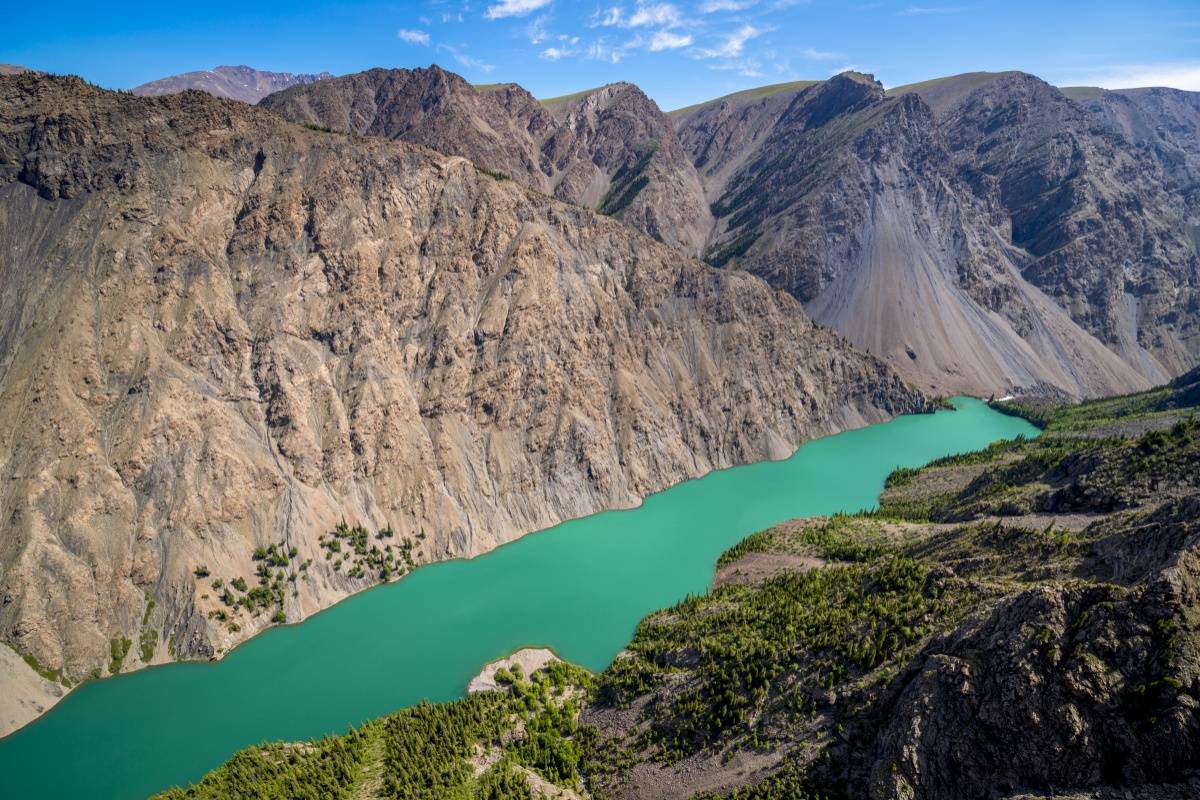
(610, 148)
(237, 83)
(721, 134)
(850, 201)
(221, 331)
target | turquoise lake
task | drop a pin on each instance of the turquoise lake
(579, 588)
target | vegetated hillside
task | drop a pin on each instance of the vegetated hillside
(983, 232)
(247, 368)
(1018, 622)
(609, 148)
(237, 83)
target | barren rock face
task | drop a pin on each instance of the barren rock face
(1105, 221)
(610, 148)
(220, 331)
(850, 200)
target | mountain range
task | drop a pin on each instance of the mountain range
(952, 227)
(461, 313)
(237, 83)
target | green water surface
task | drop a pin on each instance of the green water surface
(579, 588)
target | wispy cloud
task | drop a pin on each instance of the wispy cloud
(601, 50)
(713, 6)
(555, 53)
(412, 37)
(607, 18)
(734, 43)
(1177, 75)
(665, 40)
(662, 15)
(462, 57)
(923, 11)
(536, 30)
(820, 55)
(514, 8)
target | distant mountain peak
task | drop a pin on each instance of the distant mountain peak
(237, 82)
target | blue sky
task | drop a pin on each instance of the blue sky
(679, 52)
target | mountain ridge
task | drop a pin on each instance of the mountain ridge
(1020, 314)
(608, 148)
(234, 82)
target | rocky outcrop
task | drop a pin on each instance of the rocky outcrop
(610, 148)
(221, 331)
(1058, 687)
(237, 83)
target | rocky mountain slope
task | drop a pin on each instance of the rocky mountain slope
(609, 148)
(229, 343)
(1015, 623)
(982, 232)
(850, 200)
(1164, 121)
(238, 83)
(1107, 227)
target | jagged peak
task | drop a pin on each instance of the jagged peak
(864, 78)
(844, 93)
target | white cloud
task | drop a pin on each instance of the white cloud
(663, 14)
(465, 59)
(555, 53)
(712, 6)
(514, 8)
(1177, 75)
(923, 11)
(820, 55)
(601, 51)
(413, 37)
(665, 40)
(734, 43)
(536, 31)
(609, 18)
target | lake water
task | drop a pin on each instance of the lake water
(579, 588)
